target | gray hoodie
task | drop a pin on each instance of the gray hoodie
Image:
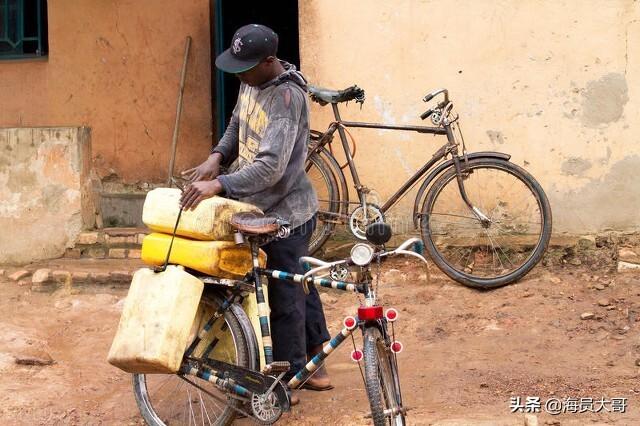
(268, 135)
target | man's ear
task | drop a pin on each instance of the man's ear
(270, 59)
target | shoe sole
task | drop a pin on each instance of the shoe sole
(316, 388)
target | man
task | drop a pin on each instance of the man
(268, 135)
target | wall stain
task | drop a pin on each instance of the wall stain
(575, 166)
(603, 100)
(496, 137)
(610, 202)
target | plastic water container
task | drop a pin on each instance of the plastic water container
(222, 259)
(209, 221)
(156, 321)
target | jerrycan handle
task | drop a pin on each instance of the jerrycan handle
(166, 261)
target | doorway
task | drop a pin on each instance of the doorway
(227, 16)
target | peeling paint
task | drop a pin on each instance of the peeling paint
(603, 100)
(611, 202)
(383, 109)
(41, 188)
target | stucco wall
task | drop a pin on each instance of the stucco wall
(115, 66)
(44, 191)
(554, 83)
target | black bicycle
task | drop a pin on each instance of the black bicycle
(228, 368)
(485, 221)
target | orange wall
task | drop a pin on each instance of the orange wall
(115, 67)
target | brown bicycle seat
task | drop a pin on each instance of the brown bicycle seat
(254, 223)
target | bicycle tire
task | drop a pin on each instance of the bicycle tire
(242, 335)
(340, 179)
(326, 188)
(499, 201)
(381, 379)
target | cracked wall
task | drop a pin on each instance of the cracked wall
(554, 84)
(44, 188)
(115, 66)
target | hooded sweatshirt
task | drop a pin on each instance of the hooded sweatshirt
(268, 135)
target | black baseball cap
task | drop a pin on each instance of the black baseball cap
(249, 45)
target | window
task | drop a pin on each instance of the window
(23, 29)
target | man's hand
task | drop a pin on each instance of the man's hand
(208, 170)
(198, 191)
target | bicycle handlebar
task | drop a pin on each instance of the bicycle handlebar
(432, 95)
(435, 93)
(426, 114)
(321, 265)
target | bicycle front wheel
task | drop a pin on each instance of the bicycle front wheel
(174, 399)
(326, 188)
(500, 249)
(382, 380)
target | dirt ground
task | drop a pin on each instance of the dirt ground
(466, 352)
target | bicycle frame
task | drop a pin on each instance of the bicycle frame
(451, 147)
(338, 125)
(258, 274)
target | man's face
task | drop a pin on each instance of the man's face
(257, 75)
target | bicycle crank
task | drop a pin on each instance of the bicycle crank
(269, 406)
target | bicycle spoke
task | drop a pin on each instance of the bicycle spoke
(457, 215)
(494, 249)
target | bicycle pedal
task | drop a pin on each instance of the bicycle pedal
(276, 367)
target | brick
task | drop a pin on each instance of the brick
(62, 277)
(627, 255)
(2, 273)
(134, 254)
(18, 275)
(111, 239)
(41, 276)
(87, 238)
(73, 253)
(628, 267)
(141, 238)
(96, 252)
(120, 276)
(117, 253)
(100, 277)
(80, 277)
(132, 239)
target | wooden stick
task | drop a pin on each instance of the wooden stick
(176, 127)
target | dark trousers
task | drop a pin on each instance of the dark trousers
(297, 319)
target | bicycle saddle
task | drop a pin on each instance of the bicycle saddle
(254, 223)
(328, 96)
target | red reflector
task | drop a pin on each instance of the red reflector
(396, 347)
(371, 313)
(349, 322)
(391, 315)
(356, 355)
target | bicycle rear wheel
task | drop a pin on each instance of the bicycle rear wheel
(326, 188)
(495, 252)
(382, 380)
(169, 399)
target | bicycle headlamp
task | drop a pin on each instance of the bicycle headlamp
(361, 254)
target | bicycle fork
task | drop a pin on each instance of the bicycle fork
(463, 193)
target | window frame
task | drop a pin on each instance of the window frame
(41, 36)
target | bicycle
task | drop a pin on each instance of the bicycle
(220, 375)
(485, 221)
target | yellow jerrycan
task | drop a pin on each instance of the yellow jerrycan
(223, 259)
(156, 321)
(209, 221)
